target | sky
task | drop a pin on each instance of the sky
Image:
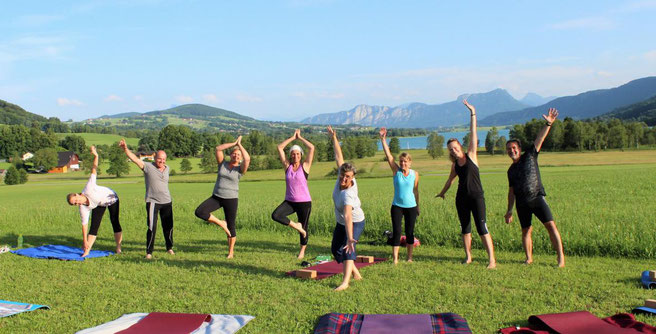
(290, 59)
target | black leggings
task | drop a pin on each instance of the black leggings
(302, 210)
(214, 203)
(468, 206)
(166, 213)
(97, 214)
(410, 215)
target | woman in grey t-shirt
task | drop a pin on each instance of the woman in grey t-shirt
(348, 214)
(226, 190)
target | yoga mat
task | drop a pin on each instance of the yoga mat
(218, 324)
(581, 322)
(172, 323)
(59, 252)
(8, 308)
(396, 323)
(646, 281)
(644, 310)
(441, 323)
(325, 270)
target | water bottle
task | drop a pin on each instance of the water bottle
(19, 242)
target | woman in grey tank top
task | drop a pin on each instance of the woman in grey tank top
(226, 190)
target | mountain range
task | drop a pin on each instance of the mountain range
(585, 105)
(421, 115)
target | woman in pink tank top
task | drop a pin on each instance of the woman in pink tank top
(297, 194)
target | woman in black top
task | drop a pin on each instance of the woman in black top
(469, 198)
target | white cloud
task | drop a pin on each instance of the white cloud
(650, 55)
(184, 99)
(138, 98)
(594, 23)
(62, 101)
(37, 19)
(211, 98)
(248, 98)
(113, 98)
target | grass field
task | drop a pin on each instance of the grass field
(602, 203)
(100, 139)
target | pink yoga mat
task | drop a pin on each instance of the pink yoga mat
(167, 323)
(396, 323)
(581, 322)
(325, 270)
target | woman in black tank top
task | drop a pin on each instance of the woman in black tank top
(469, 198)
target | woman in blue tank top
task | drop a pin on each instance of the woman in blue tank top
(406, 199)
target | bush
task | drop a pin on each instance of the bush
(15, 176)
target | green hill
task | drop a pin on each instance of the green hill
(14, 115)
(199, 111)
(644, 111)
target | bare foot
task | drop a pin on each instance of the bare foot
(561, 263)
(492, 265)
(466, 261)
(357, 277)
(118, 249)
(528, 261)
(396, 261)
(301, 255)
(341, 287)
(409, 260)
(230, 256)
(298, 227)
(170, 251)
(149, 256)
(86, 252)
(224, 226)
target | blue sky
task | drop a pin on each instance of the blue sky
(286, 60)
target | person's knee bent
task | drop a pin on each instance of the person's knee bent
(277, 216)
(201, 213)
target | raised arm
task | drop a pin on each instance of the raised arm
(511, 201)
(473, 137)
(309, 156)
(449, 181)
(281, 150)
(339, 158)
(94, 167)
(246, 159)
(388, 154)
(130, 155)
(550, 118)
(219, 151)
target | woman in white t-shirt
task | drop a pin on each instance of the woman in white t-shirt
(95, 199)
(348, 214)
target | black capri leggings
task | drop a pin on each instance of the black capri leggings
(97, 214)
(214, 203)
(302, 210)
(468, 206)
(410, 215)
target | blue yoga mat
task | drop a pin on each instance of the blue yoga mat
(646, 281)
(60, 252)
(8, 308)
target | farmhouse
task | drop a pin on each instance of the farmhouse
(146, 155)
(67, 161)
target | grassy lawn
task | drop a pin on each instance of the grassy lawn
(602, 203)
(100, 139)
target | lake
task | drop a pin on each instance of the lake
(408, 143)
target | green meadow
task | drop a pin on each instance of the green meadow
(100, 138)
(602, 203)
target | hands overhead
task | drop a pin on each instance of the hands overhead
(93, 150)
(551, 117)
(469, 106)
(331, 132)
(382, 132)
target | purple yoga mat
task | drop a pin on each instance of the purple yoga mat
(327, 269)
(396, 323)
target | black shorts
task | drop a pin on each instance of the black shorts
(537, 207)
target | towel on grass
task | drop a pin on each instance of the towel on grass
(581, 322)
(327, 269)
(441, 323)
(217, 324)
(8, 308)
(59, 252)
